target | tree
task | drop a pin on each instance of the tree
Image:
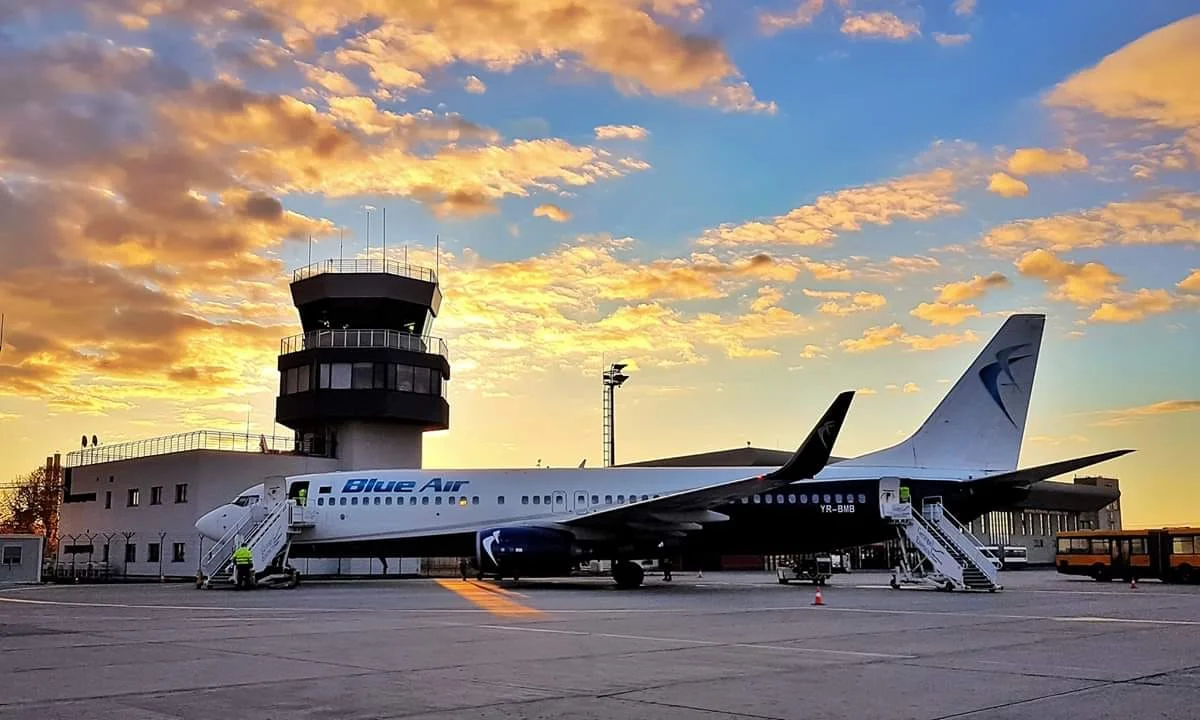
(32, 506)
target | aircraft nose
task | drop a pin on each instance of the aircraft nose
(214, 524)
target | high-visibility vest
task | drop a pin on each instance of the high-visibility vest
(243, 556)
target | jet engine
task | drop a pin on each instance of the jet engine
(524, 552)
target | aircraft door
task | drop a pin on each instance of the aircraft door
(889, 494)
(581, 502)
(560, 501)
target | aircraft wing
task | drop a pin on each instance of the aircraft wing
(1037, 473)
(685, 509)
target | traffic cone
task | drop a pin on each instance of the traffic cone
(817, 600)
(1133, 584)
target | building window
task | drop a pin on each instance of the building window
(323, 376)
(108, 499)
(362, 376)
(421, 380)
(156, 495)
(177, 552)
(340, 376)
(181, 493)
(130, 552)
(134, 497)
(152, 552)
(12, 554)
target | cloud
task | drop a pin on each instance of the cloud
(951, 40)
(878, 337)
(1149, 80)
(1165, 218)
(950, 307)
(884, 25)
(474, 85)
(625, 132)
(1094, 285)
(1006, 185)
(908, 388)
(552, 212)
(1132, 414)
(801, 16)
(844, 303)
(914, 197)
(1040, 161)
(964, 7)
(812, 352)
(1191, 283)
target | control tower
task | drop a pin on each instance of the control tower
(365, 380)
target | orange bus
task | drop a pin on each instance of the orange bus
(1168, 554)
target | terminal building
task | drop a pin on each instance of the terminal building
(358, 388)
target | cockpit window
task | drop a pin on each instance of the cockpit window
(245, 500)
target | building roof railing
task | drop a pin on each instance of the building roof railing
(364, 338)
(364, 265)
(183, 442)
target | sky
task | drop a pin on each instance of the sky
(754, 204)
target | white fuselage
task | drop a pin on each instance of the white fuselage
(353, 506)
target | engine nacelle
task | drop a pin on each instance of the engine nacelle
(525, 552)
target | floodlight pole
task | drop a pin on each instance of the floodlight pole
(613, 379)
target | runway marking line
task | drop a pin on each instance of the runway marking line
(485, 597)
(709, 643)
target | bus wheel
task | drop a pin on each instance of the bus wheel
(1099, 573)
(1185, 574)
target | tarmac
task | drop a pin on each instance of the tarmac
(728, 645)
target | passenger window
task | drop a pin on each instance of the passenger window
(341, 501)
(827, 499)
(388, 501)
(620, 498)
(745, 501)
(412, 500)
(425, 500)
(816, 499)
(354, 501)
(791, 498)
(320, 501)
(645, 497)
(757, 499)
(803, 499)
(546, 500)
(437, 500)
(524, 499)
(779, 499)
(379, 500)
(537, 499)
(500, 500)
(450, 500)
(862, 499)
(608, 499)
(595, 499)
(474, 499)
(768, 499)
(838, 498)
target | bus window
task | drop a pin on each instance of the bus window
(1100, 546)
(1183, 546)
(1137, 546)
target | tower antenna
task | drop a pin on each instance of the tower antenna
(384, 210)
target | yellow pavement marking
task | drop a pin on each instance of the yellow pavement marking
(485, 597)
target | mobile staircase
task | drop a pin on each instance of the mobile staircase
(952, 558)
(268, 529)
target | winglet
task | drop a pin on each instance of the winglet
(811, 457)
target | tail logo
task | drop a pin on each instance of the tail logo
(823, 432)
(487, 546)
(990, 374)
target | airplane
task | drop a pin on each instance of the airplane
(543, 523)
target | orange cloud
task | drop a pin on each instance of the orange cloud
(964, 7)
(884, 25)
(1150, 80)
(1006, 185)
(845, 303)
(1040, 161)
(940, 313)
(878, 337)
(801, 16)
(474, 85)
(625, 132)
(1191, 283)
(1094, 285)
(914, 197)
(951, 40)
(552, 212)
(1164, 407)
(951, 307)
(1166, 218)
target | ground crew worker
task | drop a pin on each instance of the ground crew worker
(905, 497)
(462, 567)
(666, 568)
(243, 563)
(302, 497)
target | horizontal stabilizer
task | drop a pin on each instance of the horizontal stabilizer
(1028, 476)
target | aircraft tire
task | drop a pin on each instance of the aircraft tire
(628, 575)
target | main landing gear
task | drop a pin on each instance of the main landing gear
(627, 574)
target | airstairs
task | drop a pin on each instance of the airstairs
(951, 557)
(268, 530)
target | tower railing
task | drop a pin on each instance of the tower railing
(364, 338)
(184, 442)
(364, 265)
